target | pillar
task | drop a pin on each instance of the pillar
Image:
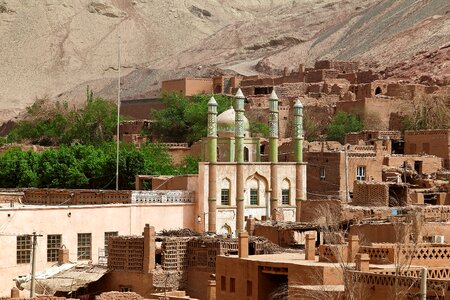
(273, 153)
(239, 154)
(362, 262)
(300, 168)
(15, 293)
(353, 247)
(149, 248)
(212, 158)
(211, 290)
(310, 247)
(63, 255)
(243, 244)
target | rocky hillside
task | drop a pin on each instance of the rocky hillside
(54, 48)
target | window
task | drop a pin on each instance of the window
(285, 197)
(125, 288)
(225, 197)
(361, 173)
(253, 197)
(223, 283)
(108, 235)
(53, 246)
(84, 246)
(246, 154)
(23, 249)
(249, 288)
(232, 285)
(322, 173)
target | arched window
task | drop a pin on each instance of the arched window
(225, 192)
(378, 91)
(246, 154)
(285, 192)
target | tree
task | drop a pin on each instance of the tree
(183, 119)
(341, 124)
(428, 112)
(52, 124)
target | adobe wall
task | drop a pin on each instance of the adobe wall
(370, 194)
(197, 283)
(430, 164)
(313, 211)
(139, 283)
(182, 182)
(243, 270)
(434, 142)
(389, 233)
(74, 196)
(254, 173)
(140, 109)
(71, 220)
(332, 184)
(175, 85)
(195, 86)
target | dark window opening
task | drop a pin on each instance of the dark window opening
(378, 91)
(418, 166)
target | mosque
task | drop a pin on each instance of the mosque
(233, 183)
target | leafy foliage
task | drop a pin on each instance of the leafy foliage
(341, 124)
(183, 119)
(87, 166)
(50, 124)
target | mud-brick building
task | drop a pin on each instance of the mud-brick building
(433, 142)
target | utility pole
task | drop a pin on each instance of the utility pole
(118, 112)
(33, 265)
(347, 196)
(423, 284)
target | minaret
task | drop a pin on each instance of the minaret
(212, 158)
(273, 153)
(239, 154)
(298, 131)
(300, 168)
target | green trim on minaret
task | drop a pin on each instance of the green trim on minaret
(239, 126)
(298, 131)
(212, 130)
(273, 127)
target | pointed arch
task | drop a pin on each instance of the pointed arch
(285, 191)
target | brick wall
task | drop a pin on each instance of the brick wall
(126, 254)
(370, 194)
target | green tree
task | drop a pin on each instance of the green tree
(183, 119)
(259, 129)
(341, 124)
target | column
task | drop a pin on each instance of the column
(239, 155)
(212, 158)
(300, 168)
(273, 153)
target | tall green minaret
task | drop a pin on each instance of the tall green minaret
(273, 127)
(212, 158)
(239, 126)
(273, 154)
(239, 150)
(212, 130)
(298, 131)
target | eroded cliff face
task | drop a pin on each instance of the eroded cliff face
(56, 47)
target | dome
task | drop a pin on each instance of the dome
(226, 121)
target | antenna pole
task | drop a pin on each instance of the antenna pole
(33, 265)
(118, 114)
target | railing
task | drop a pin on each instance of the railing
(162, 196)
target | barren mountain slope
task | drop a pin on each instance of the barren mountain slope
(57, 47)
(389, 32)
(50, 46)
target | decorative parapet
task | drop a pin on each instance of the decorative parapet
(162, 196)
